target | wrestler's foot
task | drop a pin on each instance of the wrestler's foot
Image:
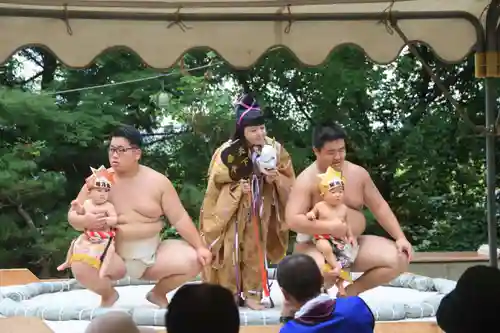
(253, 304)
(63, 266)
(158, 300)
(108, 301)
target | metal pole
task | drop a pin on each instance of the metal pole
(490, 92)
(490, 97)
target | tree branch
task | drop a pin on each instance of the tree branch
(27, 218)
(34, 77)
(28, 53)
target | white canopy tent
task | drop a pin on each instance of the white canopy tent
(241, 31)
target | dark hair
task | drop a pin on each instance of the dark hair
(130, 133)
(473, 305)
(326, 133)
(247, 113)
(299, 276)
(202, 308)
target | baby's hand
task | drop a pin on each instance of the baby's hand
(311, 216)
(77, 207)
(350, 239)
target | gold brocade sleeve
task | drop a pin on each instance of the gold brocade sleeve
(220, 203)
(278, 233)
(217, 171)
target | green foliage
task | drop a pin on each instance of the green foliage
(420, 155)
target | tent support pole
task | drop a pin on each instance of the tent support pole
(490, 111)
(490, 91)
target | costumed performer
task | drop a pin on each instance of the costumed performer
(339, 252)
(242, 217)
(95, 247)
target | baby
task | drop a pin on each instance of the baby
(98, 184)
(339, 253)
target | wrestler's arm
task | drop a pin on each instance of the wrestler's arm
(178, 216)
(112, 218)
(299, 203)
(76, 220)
(379, 207)
(343, 217)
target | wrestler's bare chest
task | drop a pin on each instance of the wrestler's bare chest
(136, 201)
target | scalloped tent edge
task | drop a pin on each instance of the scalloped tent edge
(241, 31)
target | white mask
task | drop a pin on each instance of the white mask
(268, 159)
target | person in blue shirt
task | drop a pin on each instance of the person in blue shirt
(301, 282)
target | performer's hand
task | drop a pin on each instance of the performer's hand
(404, 247)
(311, 216)
(245, 186)
(270, 175)
(204, 256)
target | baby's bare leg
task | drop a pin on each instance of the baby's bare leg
(108, 259)
(324, 246)
(67, 263)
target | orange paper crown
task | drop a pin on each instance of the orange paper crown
(102, 178)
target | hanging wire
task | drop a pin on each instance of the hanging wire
(130, 81)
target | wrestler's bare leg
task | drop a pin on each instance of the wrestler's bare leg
(88, 276)
(66, 264)
(106, 263)
(176, 263)
(380, 261)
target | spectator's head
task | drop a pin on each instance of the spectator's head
(329, 145)
(202, 308)
(115, 321)
(125, 148)
(474, 304)
(299, 278)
